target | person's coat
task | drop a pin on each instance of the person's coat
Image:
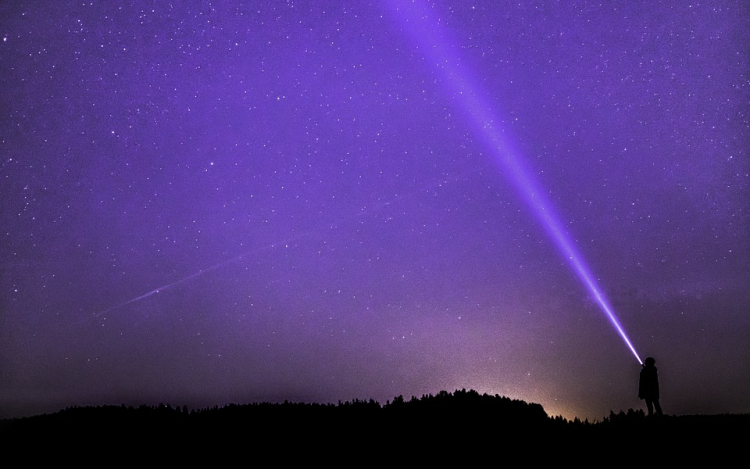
(648, 387)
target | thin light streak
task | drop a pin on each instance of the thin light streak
(377, 206)
(174, 284)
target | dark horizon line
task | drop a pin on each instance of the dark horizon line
(399, 400)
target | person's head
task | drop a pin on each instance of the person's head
(650, 361)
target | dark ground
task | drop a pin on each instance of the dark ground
(460, 427)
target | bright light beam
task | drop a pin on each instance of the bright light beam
(426, 30)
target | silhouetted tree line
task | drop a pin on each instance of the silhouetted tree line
(459, 423)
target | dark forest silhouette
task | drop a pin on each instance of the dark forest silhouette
(459, 424)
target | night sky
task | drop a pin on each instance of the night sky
(207, 203)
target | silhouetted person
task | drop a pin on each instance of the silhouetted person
(648, 387)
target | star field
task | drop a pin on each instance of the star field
(214, 202)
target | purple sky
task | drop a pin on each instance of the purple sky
(260, 201)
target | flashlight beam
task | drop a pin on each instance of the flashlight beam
(426, 31)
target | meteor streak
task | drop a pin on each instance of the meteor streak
(377, 206)
(420, 22)
(174, 284)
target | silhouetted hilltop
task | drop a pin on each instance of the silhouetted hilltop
(442, 410)
(462, 422)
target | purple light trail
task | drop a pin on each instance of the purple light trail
(426, 30)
